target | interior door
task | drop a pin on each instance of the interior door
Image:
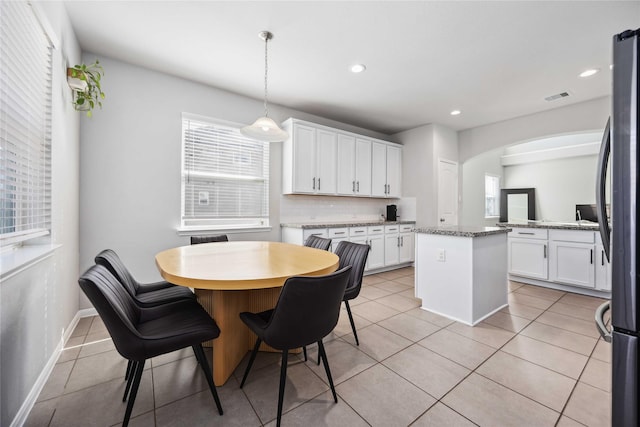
(447, 192)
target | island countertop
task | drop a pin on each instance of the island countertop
(462, 230)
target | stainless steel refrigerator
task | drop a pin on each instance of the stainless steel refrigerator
(619, 233)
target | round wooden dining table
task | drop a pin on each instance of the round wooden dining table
(232, 277)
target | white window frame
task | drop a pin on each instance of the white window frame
(189, 223)
(496, 187)
(25, 125)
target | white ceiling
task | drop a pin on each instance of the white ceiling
(492, 60)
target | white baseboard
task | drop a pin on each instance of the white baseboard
(27, 405)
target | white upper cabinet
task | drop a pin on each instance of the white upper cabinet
(321, 160)
(309, 157)
(354, 166)
(386, 170)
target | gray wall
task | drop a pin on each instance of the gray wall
(130, 162)
(38, 303)
(479, 148)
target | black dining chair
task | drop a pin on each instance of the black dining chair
(140, 333)
(318, 242)
(144, 294)
(306, 312)
(354, 255)
(196, 240)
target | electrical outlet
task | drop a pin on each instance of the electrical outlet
(440, 255)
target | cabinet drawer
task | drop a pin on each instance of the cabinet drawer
(375, 229)
(405, 228)
(338, 232)
(391, 228)
(357, 231)
(580, 236)
(529, 233)
(320, 232)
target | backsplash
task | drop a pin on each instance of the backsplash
(301, 208)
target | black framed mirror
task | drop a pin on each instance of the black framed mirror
(517, 204)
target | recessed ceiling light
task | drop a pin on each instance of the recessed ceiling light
(455, 112)
(589, 73)
(358, 68)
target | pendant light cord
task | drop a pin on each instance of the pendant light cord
(266, 70)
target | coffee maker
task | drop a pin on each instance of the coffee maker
(392, 213)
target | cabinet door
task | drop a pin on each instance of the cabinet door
(603, 270)
(394, 171)
(326, 142)
(572, 263)
(378, 169)
(376, 254)
(304, 159)
(363, 167)
(528, 257)
(407, 251)
(345, 162)
(391, 249)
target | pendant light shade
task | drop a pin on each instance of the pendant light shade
(264, 128)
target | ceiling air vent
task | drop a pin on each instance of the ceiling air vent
(557, 96)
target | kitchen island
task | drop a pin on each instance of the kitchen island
(461, 272)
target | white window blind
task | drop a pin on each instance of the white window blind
(25, 124)
(491, 195)
(225, 176)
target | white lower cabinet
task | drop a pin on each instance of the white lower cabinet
(390, 245)
(528, 253)
(565, 257)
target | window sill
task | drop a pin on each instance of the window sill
(193, 231)
(13, 261)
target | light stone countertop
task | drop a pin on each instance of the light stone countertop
(337, 224)
(584, 225)
(462, 230)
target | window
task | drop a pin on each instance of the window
(225, 177)
(25, 125)
(491, 196)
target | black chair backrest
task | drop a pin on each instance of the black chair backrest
(307, 310)
(109, 259)
(196, 240)
(318, 243)
(355, 255)
(116, 308)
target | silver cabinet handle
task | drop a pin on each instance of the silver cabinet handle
(353, 186)
(602, 257)
(591, 256)
(602, 328)
(388, 188)
(545, 251)
(358, 184)
(339, 232)
(358, 231)
(401, 240)
(314, 183)
(318, 183)
(526, 232)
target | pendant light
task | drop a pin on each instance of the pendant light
(265, 129)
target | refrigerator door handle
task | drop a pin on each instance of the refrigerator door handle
(601, 188)
(602, 328)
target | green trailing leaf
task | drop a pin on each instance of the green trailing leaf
(92, 75)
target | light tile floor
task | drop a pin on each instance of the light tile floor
(538, 362)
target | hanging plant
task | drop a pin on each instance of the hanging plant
(85, 82)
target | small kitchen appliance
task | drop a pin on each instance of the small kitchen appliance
(392, 213)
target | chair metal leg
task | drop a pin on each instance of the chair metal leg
(283, 381)
(251, 359)
(129, 366)
(353, 325)
(304, 350)
(131, 370)
(204, 364)
(137, 376)
(327, 370)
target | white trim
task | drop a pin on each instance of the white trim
(588, 149)
(30, 400)
(20, 258)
